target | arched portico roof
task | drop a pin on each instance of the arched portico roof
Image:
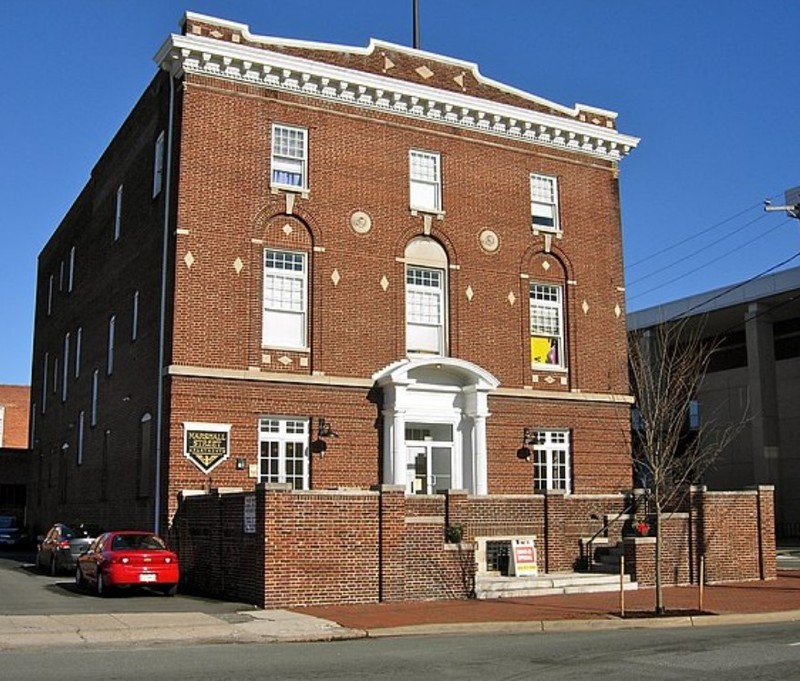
(444, 370)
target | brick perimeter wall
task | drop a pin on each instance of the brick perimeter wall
(355, 546)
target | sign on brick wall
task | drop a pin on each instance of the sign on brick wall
(206, 445)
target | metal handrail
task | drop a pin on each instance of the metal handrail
(636, 501)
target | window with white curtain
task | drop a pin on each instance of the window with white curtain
(289, 157)
(285, 299)
(544, 203)
(547, 326)
(425, 186)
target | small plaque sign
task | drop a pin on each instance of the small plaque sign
(250, 514)
(206, 445)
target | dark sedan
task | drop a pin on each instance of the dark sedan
(60, 547)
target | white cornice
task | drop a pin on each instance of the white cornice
(196, 54)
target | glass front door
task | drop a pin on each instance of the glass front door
(430, 458)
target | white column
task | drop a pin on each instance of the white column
(481, 466)
(399, 447)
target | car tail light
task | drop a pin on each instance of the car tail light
(63, 544)
(167, 559)
(121, 559)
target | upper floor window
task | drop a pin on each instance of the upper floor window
(425, 310)
(112, 322)
(425, 181)
(551, 462)
(50, 296)
(78, 343)
(285, 299)
(95, 391)
(158, 165)
(71, 270)
(118, 214)
(65, 369)
(289, 157)
(79, 437)
(135, 316)
(544, 203)
(547, 325)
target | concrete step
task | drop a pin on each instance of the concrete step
(491, 586)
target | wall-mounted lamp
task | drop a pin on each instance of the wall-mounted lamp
(241, 462)
(528, 438)
(325, 429)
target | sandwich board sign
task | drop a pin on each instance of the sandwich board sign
(523, 558)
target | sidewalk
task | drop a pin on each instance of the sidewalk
(749, 602)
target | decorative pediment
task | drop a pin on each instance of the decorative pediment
(581, 129)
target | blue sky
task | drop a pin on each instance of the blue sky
(711, 87)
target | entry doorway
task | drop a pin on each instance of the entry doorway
(429, 463)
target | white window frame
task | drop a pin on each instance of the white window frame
(118, 214)
(552, 460)
(281, 431)
(425, 181)
(135, 316)
(44, 381)
(65, 368)
(158, 164)
(285, 299)
(426, 310)
(112, 323)
(95, 391)
(546, 311)
(78, 339)
(544, 203)
(288, 158)
(71, 272)
(79, 448)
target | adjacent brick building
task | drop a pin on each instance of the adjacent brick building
(333, 267)
(14, 451)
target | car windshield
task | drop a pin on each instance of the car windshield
(8, 521)
(136, 542)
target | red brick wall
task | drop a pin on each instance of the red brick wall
(361, 546)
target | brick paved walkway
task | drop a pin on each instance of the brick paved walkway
(780, 594)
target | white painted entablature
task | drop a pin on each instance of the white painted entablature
(228, 50)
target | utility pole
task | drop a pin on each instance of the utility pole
(415, 8)
(792, 203)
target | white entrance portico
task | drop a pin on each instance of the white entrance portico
(434, 424)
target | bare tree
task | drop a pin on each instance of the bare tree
(668, 364)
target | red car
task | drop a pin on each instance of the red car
(129, 558)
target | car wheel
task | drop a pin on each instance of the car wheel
(101, 587)
(80, 582)
(169, 589)
(53, 567)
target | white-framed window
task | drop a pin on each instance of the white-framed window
(551, 460)
(79, 450)
(425, 181)
(547, 325)
(45, 367)
(285, 299)
(544, 203)
(112, 323)
(95, 389)
(283, 451)
(78, 339)
(289, 163)
(65, 369)
(158, 164)
(50, 295)
(425, 310)
(135, 316)
(71, 273)
(118, 214)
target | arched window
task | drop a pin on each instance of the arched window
(426, 297)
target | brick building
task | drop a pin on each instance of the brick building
(332, 267)
(14, 451)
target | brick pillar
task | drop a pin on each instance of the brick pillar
(696, 529)
(555, 513)
(276, 538)
(640, 559)
(455, 510)
(766, 531)
(391, 538)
